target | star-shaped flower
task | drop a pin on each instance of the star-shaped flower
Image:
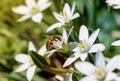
(33, 10)
(64, 17)
(85, 45)
(27, 62)
(100, 71)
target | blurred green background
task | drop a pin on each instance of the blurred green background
(14, 36)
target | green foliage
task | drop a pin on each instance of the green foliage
(76, 76)
(14, 36)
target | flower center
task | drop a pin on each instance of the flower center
(64, 16)
(99, 73)
(30, 60)
(33, 9)
(82, 46)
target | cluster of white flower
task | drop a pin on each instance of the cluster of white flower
(100, 70)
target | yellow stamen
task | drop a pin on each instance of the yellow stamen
(33, 8)
(82, 46)
(30, 59)
(99, 73)
(64, 16)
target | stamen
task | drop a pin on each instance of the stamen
(30, 60)
(99, 72)
(64, 16)
(33, 9)
(82, 46)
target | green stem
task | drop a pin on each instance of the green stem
(57, 71)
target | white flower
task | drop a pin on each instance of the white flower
(64, 17)
(100, 71)
(114, 3)
(116, 43)
(85, 46)
(27, 62)
(33, 10)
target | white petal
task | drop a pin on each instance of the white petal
(23, 18)
(54, 26)
(42, 50)
(69, 77)
(30, 3)
(43, 4)
(114, 3)
(96, 48)
(71, 29)
(83, 33)
(71, 59)
(85, 67)
(93, 37)
(51, 52)
(60, 78)
(72, 46)
(73, 9)
(117, 7)
(113, 63)
(107, 59)
(31, 47)
(100, 61)
(116, 43)
(21, 10)
(76, 49)
(30, 73)
(66, 10)
(37, 17)
(64, 35)
(89, 78)
(22, 67)
(111, 2)
(58, 17)
(83, 56)
(23, 58)
(117, 79)
(75, 16)
(110, 76)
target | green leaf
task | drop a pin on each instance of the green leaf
(76, 76)
(39, 60)
(42, 63)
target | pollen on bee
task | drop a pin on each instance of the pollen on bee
(49, 41)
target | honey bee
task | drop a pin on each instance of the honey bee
(53, 42)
